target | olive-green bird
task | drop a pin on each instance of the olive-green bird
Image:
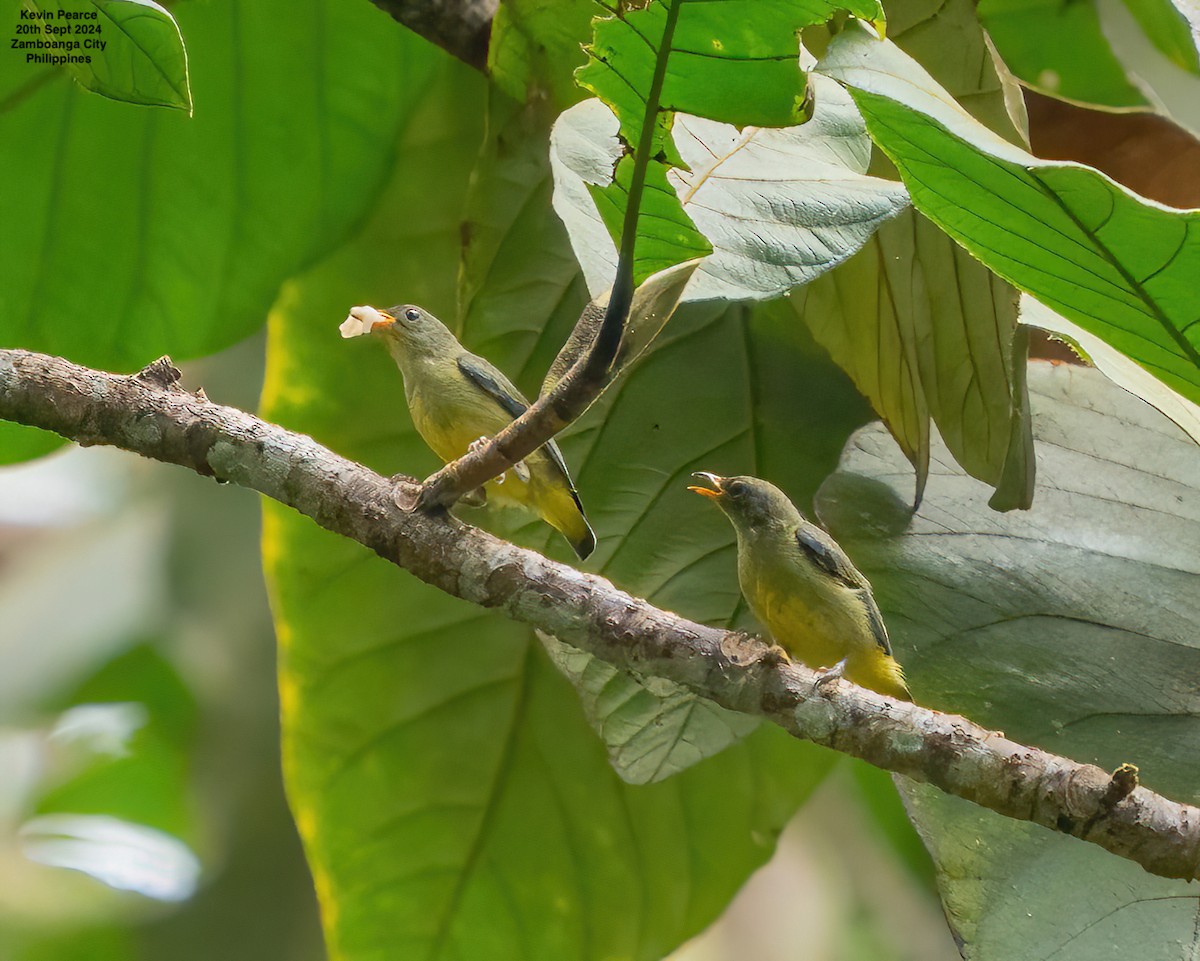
(802, 587)
(457, 399)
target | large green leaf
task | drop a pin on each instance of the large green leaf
(1063, 49)
(143, 232)
(1115, 365)
(1073, 626)
(427, 741)
(1119, 266)
(18, 443)
(128, 50)
(106, 794)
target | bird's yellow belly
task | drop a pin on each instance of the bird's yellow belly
(810, 629)
(450, 434)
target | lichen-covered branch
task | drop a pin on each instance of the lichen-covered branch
(149, 413)
(460, 27)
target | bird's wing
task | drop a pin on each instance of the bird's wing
(493, 383)
(875, 619)
(825, 553)
(502, 390)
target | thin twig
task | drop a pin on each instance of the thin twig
(593, 370)
(150, 414)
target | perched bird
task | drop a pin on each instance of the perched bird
(802, 587)
(457, 399)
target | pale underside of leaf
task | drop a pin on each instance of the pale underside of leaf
(1074, 626)
(780, 206)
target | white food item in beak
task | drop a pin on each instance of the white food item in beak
(361, 321)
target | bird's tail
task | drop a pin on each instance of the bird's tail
(890, 681)
(560, 507)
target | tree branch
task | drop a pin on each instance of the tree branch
(460, 27)
(148, 413)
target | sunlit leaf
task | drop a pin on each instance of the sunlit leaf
(425, 746)
(128, 50)
(1119, 266)
(1119, 368)
(1173, 26)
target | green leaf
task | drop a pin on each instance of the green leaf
(780, 207)
(426, 741)
(1118, 266)
(651, 727)
(143, 59)
(113, 801)
(1173, 26)
(1116, 366)
(143, 232)
(925, 330)
(1059, 49)
(718, 69)
(922, 327)
(18, 443)
(1014, 891)
(1072, 626)
(536, 46)
(144, 781)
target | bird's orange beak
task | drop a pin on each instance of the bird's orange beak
(715, 479)
(383, 324)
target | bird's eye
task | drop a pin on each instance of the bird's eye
(737, 488)
(412, 314)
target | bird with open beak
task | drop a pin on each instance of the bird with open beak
(803, 588)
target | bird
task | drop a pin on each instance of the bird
(458, 399)
(802, 587)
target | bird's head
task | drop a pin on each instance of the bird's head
(406, 329)
(748, 502)
(403, 322)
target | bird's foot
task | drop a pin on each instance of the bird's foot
(829, 675)
(477, 443)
